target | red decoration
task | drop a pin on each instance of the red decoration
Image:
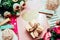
(14, 23)
(57, 29)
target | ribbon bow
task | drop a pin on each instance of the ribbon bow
(35, 29)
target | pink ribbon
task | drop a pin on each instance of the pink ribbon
(14, 23)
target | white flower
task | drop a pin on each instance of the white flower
(16, 6)
(14, 0)
(6, 13)
(21, 3)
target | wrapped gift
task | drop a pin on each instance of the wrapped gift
(34, 29)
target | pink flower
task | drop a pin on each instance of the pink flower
(57, 29)
(47, 36)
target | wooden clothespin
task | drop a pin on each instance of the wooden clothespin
(5, 21)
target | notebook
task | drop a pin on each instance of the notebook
(53, 19)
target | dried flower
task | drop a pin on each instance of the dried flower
(52, 4)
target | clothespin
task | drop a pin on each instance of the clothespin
(5, 21)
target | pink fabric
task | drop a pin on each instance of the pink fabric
(14, 23)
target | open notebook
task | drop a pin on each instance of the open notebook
(53, 19)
